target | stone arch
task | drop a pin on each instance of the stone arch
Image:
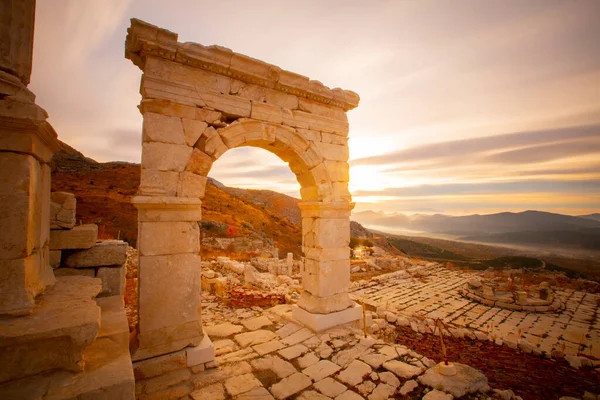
(197, 103)
(302, 156)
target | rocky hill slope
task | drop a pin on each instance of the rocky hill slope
(104, 192)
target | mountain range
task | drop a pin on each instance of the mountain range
(528, 228)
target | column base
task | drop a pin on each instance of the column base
(320, 322)
(201, 354)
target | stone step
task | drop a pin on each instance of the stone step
(108, 375)
(64, 321)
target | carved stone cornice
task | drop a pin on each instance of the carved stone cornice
(24, 129)
(144, 39)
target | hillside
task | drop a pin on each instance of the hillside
(104, 192)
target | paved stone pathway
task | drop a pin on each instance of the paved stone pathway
(260, 354)
(431, 291)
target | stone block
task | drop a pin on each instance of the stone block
(108, 252)
(211, 143)
(334, 139)
(162, 238)
(326, 278)
(338, 171)
(89, 272)
(167, 209)
(199, 163)
(193, 129)
(54, 258)
(159, 365)
(266, 112)
(56, 332)
(80, 237)
(164, 180)
(166, 107)
(108, 376)
(283, 100)
(163, 129)
(333, 152)
(207, 115)
(324, 305)
(324, 110)
(165, 156)
(169, 292)
(233, 106)
(62, 210)
(113, 280)
(20, 283)
(331, 232)
(467, 380)
(203, 353)
(113, 324)
(152, 88)
(20, 195)
(191, 185)
(319, 322)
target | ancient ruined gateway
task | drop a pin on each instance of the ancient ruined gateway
(198, 102)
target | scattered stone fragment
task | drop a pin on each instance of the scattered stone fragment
(366, 387)
(288, 329)
(308, 360)
(223, 330)
(349, 395)
(290, 385)
(466, 380)
(259, 393)
(389, 378)
(292, 352)
(312, 395)
(437, 395)
(402, 369)
(321, 370)
(253, 338)
(297, 337)
(376, 360)
(280, 367)
(382, 392)
(268, 347)
(330, 387)
(408, 387)
(241, 384)
(354, 373)
(324, 351)
(253, 324)
(216, 392)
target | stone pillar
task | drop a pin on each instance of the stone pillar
(16, 37)
(324, 301)
(27, 143)
(169, 274)
(289, 264)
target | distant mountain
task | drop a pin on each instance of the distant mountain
(525, 228)
(595, 217)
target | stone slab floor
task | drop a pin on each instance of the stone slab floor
(431, 291)
(260, 354)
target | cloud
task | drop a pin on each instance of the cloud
(540, 186)
(575, 140)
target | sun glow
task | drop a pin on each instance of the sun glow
(367, 177)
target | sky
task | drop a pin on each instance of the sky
(467, 106)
